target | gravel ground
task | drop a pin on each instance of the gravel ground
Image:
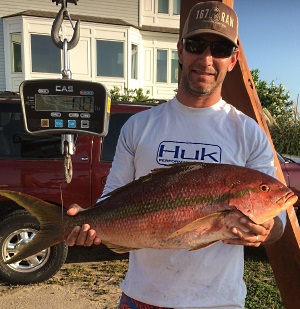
(89, 279)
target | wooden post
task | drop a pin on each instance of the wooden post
(239, 90)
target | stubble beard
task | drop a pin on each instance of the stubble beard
(200, 92)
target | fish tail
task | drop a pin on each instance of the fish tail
(49, 217)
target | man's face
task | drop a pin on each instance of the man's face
(203, 74)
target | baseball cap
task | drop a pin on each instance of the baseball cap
(212, 17)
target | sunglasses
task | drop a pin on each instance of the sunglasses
(217, 49)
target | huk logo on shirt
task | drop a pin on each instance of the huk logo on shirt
(170, 152)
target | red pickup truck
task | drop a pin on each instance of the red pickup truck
(34, 165)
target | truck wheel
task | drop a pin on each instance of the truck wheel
(16, 230)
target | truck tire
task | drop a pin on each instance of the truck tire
(16, 230)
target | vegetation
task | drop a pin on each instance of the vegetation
(129, 95)
(274, 98)
(262, 291)
(281, 114)
(132, 95)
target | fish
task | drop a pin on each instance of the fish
(183, 206)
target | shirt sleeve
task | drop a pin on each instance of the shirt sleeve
(261, 155)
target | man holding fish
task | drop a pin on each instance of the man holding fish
(196, 125)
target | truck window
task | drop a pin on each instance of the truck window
(15, 143)
(110, 141)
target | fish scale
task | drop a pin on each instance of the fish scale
(184, 206)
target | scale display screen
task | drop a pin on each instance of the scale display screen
(64, 103)
(65, 106)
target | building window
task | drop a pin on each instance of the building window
(169, 7)
(176, 7)
(166, 66)
(161, 65)
(110, 58)
(16, 53)
(45, 56)
(163, 6)
(174, 66)
(134, 61)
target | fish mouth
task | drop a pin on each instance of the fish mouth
(288, 199)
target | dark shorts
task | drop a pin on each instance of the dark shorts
(127, 302)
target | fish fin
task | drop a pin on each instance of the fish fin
(203, 245)
(49, 217)
(145, 178)
(118, 249)
(197, 223)
(124, 188)
(152, 174)
(175, 166)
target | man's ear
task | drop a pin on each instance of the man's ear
(179, 51)
(234, 59)
(180, 65)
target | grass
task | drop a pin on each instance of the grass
(261, 286)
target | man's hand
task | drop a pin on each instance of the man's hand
(250, 234)
(81, 236)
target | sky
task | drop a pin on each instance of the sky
(269, 32)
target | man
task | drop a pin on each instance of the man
(197, 125)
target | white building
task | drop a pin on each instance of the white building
(128, 44)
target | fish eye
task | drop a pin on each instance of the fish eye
(264, 188)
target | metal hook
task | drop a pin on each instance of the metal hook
(57, 24)
(68, 142)
(71, 1)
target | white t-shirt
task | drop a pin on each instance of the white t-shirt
(172, 132)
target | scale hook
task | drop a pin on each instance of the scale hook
(63, 12)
